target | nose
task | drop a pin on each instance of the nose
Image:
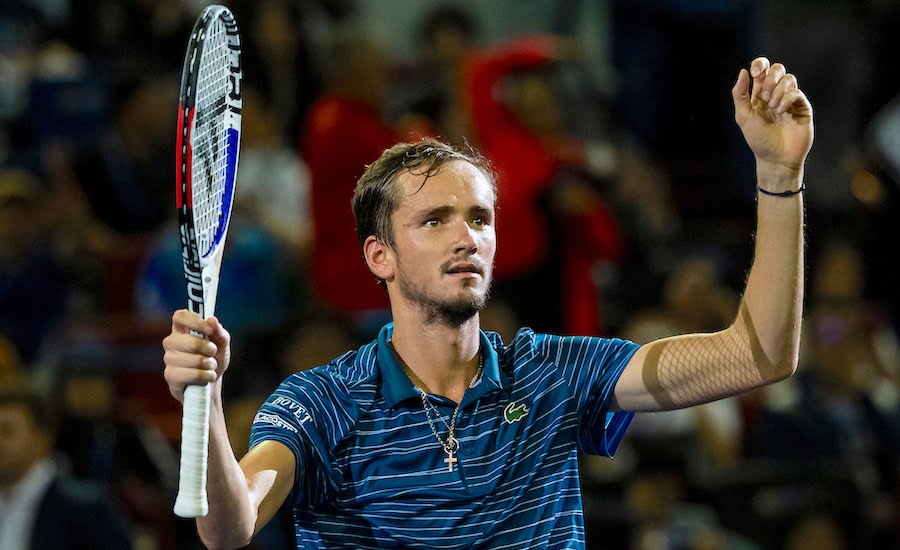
(465, 241)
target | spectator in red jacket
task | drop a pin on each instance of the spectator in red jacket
(552, 221)
(344, 132)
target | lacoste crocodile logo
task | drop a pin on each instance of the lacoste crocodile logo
(514, 413)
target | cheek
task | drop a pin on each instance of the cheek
(419, 253)
(413, 261)
(488, 242)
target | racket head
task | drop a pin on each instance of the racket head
(208, 145)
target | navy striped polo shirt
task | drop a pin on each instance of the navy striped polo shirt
(370, 473)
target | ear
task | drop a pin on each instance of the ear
(379, 257)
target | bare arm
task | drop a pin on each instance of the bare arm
(762, 344)
(243, 496)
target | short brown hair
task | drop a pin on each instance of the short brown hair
(376, 197)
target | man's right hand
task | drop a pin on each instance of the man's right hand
(194, 360)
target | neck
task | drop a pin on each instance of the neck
(439, 359)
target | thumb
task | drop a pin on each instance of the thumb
(741, 95)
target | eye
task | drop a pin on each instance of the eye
(479, 221)
(432, 222)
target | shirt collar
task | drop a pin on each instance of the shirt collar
(396, 385)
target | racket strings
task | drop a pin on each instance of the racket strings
(210, 143)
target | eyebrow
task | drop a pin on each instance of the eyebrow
(481, 210)
(442, 211)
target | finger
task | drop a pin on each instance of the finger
(796, 103)
(788, 82)
(775, 73)
(186, 321)
(190, 361)
(758, 67)
(178, 377)
(740, 93)
(188, 343)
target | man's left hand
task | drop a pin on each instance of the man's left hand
(776, 117)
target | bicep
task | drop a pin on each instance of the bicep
(682, 371)
(269, 470)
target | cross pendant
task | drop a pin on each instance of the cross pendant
(450, 460)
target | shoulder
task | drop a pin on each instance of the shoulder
(523, 342)
(351, 375)
(525, 345)
(528, 344)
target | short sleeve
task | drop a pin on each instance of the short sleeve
(293, 416)
(592, 367)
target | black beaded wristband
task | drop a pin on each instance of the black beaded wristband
(782, 193)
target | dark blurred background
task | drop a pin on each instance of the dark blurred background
(626, 209)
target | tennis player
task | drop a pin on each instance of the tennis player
(440, 435)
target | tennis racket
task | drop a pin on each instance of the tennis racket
(209, 135)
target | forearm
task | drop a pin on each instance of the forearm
(231, 519)
(773, 299)
(762, 344)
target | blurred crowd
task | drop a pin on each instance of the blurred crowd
(626, 208)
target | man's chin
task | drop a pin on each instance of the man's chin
(455, 314)
(454, 311)
(473, 296)
(455, 307)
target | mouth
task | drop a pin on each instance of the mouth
(464, 269)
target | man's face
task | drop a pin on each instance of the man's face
(445, 242)
(21, 443)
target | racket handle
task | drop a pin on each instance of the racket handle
(191, 501)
